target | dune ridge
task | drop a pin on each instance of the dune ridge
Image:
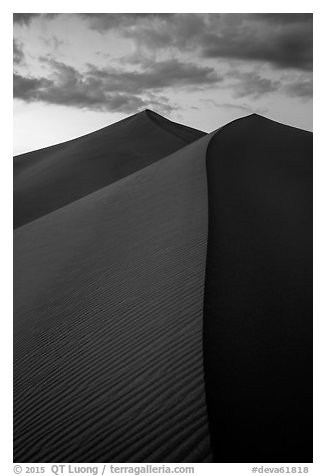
(47, 179)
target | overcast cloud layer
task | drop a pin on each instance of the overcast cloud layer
(180, 65)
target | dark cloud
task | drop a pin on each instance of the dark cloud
(18, 54)
(154, 30)
(29, 88)
(301, 88)
(252, 84)
(283, 40)
(283, 18)
(104, 90)
(69, 94)
(137, 81)
(103, 22)
(24, 18)
(182, 31)
(157, 75)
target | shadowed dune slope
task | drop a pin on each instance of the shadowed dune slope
(258, 293)
(108, 321)
(47, 179)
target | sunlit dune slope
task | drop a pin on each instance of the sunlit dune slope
(108, 321)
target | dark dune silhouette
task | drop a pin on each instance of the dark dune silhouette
(50, 178)
(258, 293)
(185, 282)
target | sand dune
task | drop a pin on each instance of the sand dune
(258, 292)
(47, 179)
(108, 321)
(140, 301)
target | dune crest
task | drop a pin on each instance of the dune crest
(47, 179)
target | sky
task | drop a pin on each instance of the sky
(75, 73)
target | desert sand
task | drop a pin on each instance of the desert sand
(108, 326)
(165, 315)
(258, 292)
(50, 178)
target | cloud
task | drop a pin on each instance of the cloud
(239, 107)
(127, 91)
(182, 31)
(303, 88)
(282, 40)
(32, 89)
(252, 84)
(170, 53)
(249, 109)
(18, 54)
(106, 90)
(157, 75)
(283, 18)
(53, 42)
(102, 22)
(29, 88)
(24, 18)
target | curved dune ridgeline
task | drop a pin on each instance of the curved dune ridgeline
(47, 179)
(258, 293)
(165, 314)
